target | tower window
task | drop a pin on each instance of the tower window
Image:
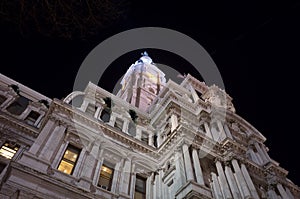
(18, 106)
(105, 115)
(145, 137)
(32, 118)
(106, 177)
(140, 188)
(69, 159)
(8, 150)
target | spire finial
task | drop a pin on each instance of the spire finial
(145, 53)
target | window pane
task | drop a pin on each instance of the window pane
(140, 188)
(8, 150)
(69, 159)
(105, 116)
(138, 195)
(66, 167)
(106, 177)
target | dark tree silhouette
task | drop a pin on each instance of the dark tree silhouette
(61, 18)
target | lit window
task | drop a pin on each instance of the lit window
(145, 137)
(18, 106)
(69, 159)
(119, 124)
(106, 177)
(32, 117)
(8, 150)
(140, 188)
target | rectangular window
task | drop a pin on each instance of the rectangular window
(32, 118)
(90, 109)
(119, 123)
(18, 106)
(140, 188)
(106, 177)
(145, 137)
(8, 150)
(69, 159)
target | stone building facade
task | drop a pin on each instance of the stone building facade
(155, 139)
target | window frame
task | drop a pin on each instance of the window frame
(142, 192)
(111, 177)
(74, 163)
(12, 147)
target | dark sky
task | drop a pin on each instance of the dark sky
(254, 44)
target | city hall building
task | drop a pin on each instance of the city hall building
(155, 139)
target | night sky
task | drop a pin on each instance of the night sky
(254, 44)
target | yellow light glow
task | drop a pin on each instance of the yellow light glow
(7, 152)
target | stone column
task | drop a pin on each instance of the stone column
(197, 166)
(249, 182)
(240, 179)
(222, 133)
(289, 193)
(261, 153)
(254, 156)
(227, 131)
(97, 171)
(207, 130)
(179, 173)
(52, 142)
(88, 168)
(125, 126)
(272, 194)
(98, 112)
(116, 174)
(266, 153)
(174, 122)
(42, 138)
(132, 181)
(138, 134)
(187, 162)
(125, 177)
(232, 183)
(150, 135)
(225, 188)
(282, 191)
(216, 186)
(149, 187)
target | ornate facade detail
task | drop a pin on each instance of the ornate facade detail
(154, 139)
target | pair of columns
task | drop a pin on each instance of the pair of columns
(189, 167)
(229, 184)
